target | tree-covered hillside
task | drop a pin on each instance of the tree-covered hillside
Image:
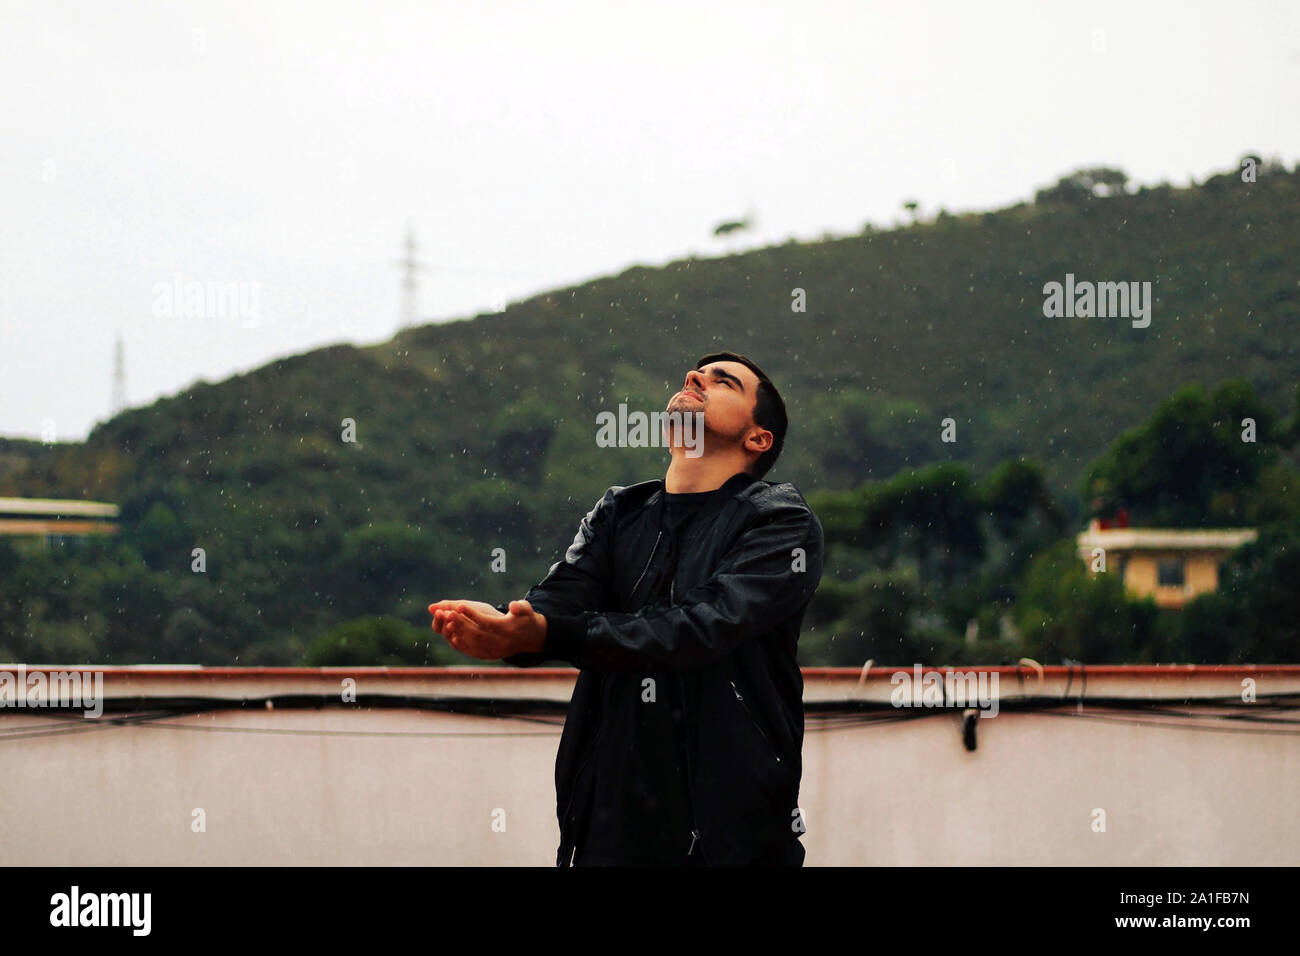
(353, 482)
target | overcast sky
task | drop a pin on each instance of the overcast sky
(278, 150)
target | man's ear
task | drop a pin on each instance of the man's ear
(759, 440)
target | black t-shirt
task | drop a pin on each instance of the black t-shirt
(681, 507)
(679, 511)
(640, 806)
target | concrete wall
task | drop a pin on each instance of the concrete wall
(334, 786)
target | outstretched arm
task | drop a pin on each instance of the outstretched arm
(578, 583)
(769, 574)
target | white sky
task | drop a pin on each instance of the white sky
(285, 146)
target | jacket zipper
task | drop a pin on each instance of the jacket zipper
(690, 787)
(601, 729)
(649, 561)
(577, 777)
(686, 727)
(568, 820)
(757, 726)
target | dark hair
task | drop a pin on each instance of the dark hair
(769, 409)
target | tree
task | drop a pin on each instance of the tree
(885, 616)
(1017, 491)
(861, 436)
(380, 641)
(1255, 614)
(523, 432)
(378, 563)
(1065, 611)
(929, 514)
(1188, 466)
(162, 538)
(1083, 185)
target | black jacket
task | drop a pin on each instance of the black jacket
(726, 635)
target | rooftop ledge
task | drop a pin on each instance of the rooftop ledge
(1071, 684)
(1165, 539)
(473, 671)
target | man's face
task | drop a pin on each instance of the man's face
(726, 393)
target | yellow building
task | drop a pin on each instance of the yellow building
(1172, 565)
(56, 518)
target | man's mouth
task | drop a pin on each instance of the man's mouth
(692, 394)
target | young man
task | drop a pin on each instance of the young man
(680, 603)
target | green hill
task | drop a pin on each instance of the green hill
(480, 434)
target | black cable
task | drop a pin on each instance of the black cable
(825, 715)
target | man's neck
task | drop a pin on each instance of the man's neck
(689, 475)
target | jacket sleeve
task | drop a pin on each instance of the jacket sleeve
(579, 583)
(761, 580)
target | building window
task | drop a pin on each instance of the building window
(1169, 572)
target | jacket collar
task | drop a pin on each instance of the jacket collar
(722, 494)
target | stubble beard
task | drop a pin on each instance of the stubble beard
(711, 435)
